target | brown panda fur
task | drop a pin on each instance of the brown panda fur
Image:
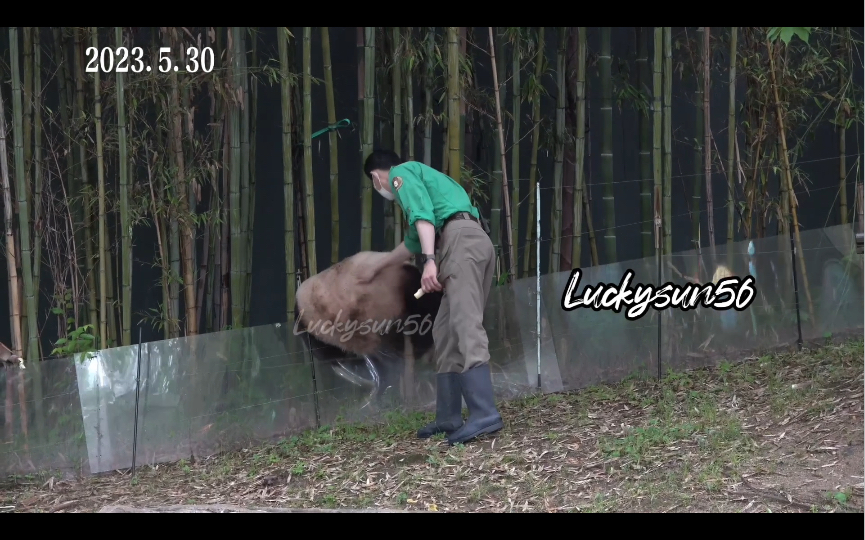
(335, 296)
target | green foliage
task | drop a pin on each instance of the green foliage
(786, 33)
(77, 340)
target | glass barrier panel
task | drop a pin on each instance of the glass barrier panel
(702, 337)
(830, 289)
(601, 346)
(42, 421)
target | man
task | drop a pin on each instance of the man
(435, 203)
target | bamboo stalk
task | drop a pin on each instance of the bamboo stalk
(463, 78)
(244, 164)
(368, 133)
(385, 129)
(253, 126)
(307, 149)
(558, 170)
(535, 99)
(236, 165)
(11, 259)
(580, 200)
(498, 65)
(517, 100)
(409, 96)
(100, 178)
(396, 84)
(593, 243)
(332, 146)
(668, 141)
(27, 96)
(697, 180)
(657, 121)
(779, 116)
(605, 62)
(502, 155)
(27, 99)
(66, 113)
(644, 122)
(225, 275)
(85, 180)
(287, 172)
(841, 128)
(707, 134)
(428, 96)
(38, 176)
(454, 135)
(38, 172)
(23, 205)
(125, 223)
(731, 147)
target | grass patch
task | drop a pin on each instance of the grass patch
(776, 433)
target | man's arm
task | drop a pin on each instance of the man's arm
(399, 255)
(427, 233)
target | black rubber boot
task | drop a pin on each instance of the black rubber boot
(477, 389)
(449, 407)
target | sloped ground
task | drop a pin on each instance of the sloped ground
(779, 433)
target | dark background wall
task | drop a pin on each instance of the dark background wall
(816, 210)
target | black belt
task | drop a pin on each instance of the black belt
(460, 215)
(453, 217)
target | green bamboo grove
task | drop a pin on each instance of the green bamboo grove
(89, 158)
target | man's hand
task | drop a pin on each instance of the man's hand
(429, 282)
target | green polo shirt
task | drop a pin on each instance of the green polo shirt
(425, 193)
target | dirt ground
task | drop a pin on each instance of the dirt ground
(781, 433)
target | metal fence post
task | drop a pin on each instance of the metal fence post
(137, 393)
(796, 290)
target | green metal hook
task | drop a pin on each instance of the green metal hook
(345, 122)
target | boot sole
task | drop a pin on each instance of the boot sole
(494, 428)
(434, 433)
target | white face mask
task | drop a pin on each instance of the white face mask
(383, 191)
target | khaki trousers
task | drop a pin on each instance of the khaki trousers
(466, 265)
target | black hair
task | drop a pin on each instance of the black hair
(381, 159)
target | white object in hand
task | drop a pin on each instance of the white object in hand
(418, 294)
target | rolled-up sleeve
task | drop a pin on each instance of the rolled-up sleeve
(416, 203)
(413, 197)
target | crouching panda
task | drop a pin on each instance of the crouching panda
(356, 327)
